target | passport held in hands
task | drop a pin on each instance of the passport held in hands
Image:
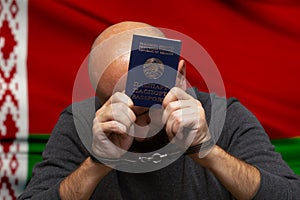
(152, 69)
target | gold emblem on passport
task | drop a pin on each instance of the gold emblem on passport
(153, 68)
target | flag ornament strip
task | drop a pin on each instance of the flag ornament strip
(13, 98)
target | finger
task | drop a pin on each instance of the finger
(175, 130)
(176, 105)
(173, 122)
(122, 113)
(175, 94)
(171, 107)
(121, 103)
(192, 127)
(199, 126)
(113, 127)
(191, 117)
(116, 112)
(120, 97)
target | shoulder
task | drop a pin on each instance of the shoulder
(214, 103)
(80, 114)
(76, 116)
(85, 106)
(76, 121)
(207, 98)
(228, 118)
(83, 110)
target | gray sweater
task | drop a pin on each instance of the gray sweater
(242, 136)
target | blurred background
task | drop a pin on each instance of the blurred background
(254, 43)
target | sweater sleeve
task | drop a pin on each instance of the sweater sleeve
(62, 155)
(250, 143)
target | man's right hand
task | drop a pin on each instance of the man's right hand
(111, 125)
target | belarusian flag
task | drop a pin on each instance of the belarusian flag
(255, 45)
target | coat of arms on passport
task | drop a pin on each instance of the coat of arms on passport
(152, 69)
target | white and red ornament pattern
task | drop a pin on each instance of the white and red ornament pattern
(13, 98)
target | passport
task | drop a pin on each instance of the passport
(152, 70)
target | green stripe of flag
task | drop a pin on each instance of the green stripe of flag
(289, 149)
(36, 145)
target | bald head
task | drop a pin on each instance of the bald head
(128, 28)
(109, 57)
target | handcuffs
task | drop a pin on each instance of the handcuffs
(155, 157)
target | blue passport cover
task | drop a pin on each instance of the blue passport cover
(152, 69)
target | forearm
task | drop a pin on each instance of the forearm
(238, 177)
(82, 182)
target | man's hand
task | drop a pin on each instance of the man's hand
(184, 117)
(110, 127)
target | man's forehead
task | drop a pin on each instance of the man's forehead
(115, 47)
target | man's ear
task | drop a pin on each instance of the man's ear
(181, 80)
(181, 68)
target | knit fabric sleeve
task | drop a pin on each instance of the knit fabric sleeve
(247, 140)
(62, 155)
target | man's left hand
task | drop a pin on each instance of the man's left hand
(184, 118)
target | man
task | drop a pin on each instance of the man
(242, 164)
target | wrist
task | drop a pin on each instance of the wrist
(99, 165)
(81, 183)
(209, 159)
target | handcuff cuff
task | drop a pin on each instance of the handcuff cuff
(155, 158)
